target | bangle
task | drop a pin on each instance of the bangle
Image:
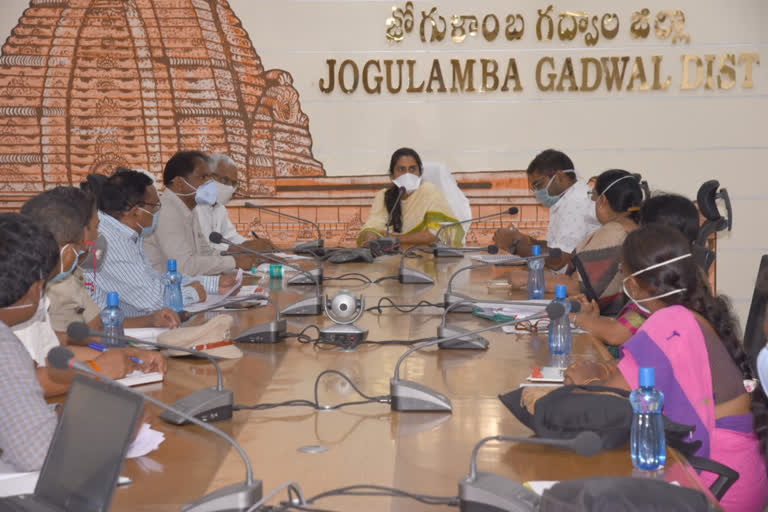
(589, 381)
(93, 365)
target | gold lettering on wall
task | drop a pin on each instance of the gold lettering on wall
(748, 59)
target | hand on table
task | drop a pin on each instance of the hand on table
(153, 361)
(226, 282)
(531, 395)
(199, 289)
(114, 363)
(165, 317)
(585, 371)
(505, 237)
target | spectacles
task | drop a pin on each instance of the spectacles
(155, 207)
(541, 182)
(532, 327)
(225, 181)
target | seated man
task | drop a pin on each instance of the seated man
(71, 215)
(178, 234)
(572, 219)
(214, 217)
(128, 208)
(27, 253)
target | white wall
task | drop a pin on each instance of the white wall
(676, 138)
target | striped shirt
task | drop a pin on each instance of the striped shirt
(27, 423)
(127, 271)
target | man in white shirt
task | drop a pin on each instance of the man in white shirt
(215, 217)
(552, 178)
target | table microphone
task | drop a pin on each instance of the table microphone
(313, 247)
(207, 404)
(240, 496)
(469, 341)
(407, 395)
(410, 276)
(309, 306)
(451, 298)
(185, 316)
(443, 251)
(489, 492)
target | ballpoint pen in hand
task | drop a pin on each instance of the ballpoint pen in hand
(99, 347)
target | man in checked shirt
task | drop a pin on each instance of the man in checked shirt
(28, 254)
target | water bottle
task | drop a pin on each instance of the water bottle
(112, 319)
(560, 329)
(172, 297)
(646, 443)
(536, 275)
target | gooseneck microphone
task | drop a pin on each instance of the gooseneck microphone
(410, 276)
(312, 247)
(412, 396)
(467, 341)
(309, 306)
(207, 404)
(490, 492)
(400, 192)
(442, 251)
(240, 496)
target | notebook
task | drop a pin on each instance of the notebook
(86, 454)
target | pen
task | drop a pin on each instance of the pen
(255, 235)
(100, 348)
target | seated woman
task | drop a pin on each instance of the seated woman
(418, 215)
(690, 339)
(617, 195)
(671, 210)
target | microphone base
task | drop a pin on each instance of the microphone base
(207, 404)
(238, 497)
(313, 247)
(489, 492)
(410, 276)
(412, 396)
(301, 278)
(346, 336)
(442, 251)
(271, 332)
(470, 342)
(453, 298)
(309, 306)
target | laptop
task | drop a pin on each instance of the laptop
(86, 454)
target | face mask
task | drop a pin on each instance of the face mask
(762, 368)
(637, 302)
(410, 182)
(147, 230)
(64, 273)
(543, 196)
(204, 194)
(224, 193)
(615, 182)
(38, 316)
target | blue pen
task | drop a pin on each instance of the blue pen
(100, 348)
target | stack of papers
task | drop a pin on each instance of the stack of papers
(138, 378)
(149, 334)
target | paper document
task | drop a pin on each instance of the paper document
(146, 334)
(539, 486)
(213, 300)
(498, 258)
(138, 378)
(13, 482)
(147, 440)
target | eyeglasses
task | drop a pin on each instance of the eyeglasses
(225, 181)
(541, 182)
(155, 207)
(532, 327)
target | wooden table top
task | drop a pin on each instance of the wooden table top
(425, 453)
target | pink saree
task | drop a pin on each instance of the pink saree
(671, 341)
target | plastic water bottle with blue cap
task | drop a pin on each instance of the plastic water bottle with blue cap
(172, 297)
(112, 319)
(560, 328)
(535, 274)
(646, 442)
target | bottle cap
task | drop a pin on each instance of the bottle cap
(646, 377)
(112, 299)
(535, 250)
(171, 265)
(560, 291)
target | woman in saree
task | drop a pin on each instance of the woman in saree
(691, 340)
(419, 214)
(617, 195)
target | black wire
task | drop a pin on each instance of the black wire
(403, 308)
(378, 490)
(316, 404)
(399, 342)
(349, 276)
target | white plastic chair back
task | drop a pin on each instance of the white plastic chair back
(439, 175)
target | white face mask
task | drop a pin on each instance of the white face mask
(38, 316)
(410, 182)
(637, 302)
(224, 193)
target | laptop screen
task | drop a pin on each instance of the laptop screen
(88, 447)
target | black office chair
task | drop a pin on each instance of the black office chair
(707, 200)
(754, 337)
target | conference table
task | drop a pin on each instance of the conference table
(423, 453)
